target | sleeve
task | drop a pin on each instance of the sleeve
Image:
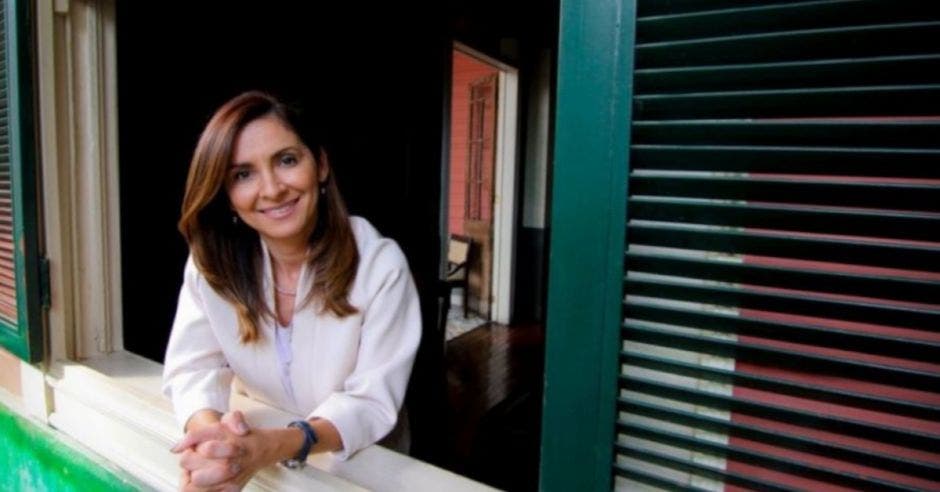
(196, 375)
(367, 408)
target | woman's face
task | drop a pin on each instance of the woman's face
(273, 182)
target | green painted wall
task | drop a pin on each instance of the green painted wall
(35, 459)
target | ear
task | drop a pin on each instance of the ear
(323, 166)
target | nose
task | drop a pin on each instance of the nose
(271, 185)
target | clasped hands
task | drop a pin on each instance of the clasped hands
(219, 456)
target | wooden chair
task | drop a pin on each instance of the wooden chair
(458, 265)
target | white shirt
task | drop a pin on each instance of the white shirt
(282, 337)
(352, 371)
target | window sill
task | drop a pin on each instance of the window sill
(114, 406)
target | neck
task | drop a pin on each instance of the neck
(286, 262)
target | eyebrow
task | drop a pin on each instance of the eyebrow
(289, 148)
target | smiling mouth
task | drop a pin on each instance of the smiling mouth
(280, 211)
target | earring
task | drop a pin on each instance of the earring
(234, 219)
(323, 189)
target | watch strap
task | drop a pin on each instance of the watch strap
(310, 439)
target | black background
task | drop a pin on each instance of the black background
(376, 79)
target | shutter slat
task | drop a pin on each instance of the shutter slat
(758, 19)
(833, 282)
(885, 70)
(760, 459)
(760, 434)
(856, 222)
(823, 336)
(841, 135)
(785, 387)
(887, 39)
(794, 360)
(848, 427)
(843, 161)
(835, 191)
(673, 7)
(833, 308)
(912, 100)
(688, 466)
(826, 248)
(646, 478)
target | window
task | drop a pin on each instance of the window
(94, 389)
(20, 311)
(480, 148)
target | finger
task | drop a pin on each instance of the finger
(190, 460)
(186, 484)
(218, 449)
(214, 474)
(235, 422)
(193, 438)
(192, 488)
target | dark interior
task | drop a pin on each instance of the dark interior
(379, 77)
(378, 83)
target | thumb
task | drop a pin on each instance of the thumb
(235, 422)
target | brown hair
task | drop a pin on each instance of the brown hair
(229, 254)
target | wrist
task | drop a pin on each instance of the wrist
(202, 418)
(310, 439)
(278, 444)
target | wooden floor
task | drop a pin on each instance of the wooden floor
(494, 381)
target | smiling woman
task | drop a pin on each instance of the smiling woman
(274, 181)
(312, 310)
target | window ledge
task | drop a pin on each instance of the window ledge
(114, 405)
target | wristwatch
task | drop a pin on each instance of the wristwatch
(310, 438)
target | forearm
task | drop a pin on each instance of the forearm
(280, 444)
(328, 435)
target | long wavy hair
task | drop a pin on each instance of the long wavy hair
(229, 254)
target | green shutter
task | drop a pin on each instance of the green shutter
(585, 285)
(20, 311)
(782, 290)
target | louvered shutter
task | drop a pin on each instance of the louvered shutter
(20, 311)
(7, 268)
(782, 296)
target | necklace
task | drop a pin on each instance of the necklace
(283, 291)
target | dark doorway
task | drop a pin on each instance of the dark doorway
(495, 370)
(376, 77)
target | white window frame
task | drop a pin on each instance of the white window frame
(90, 387)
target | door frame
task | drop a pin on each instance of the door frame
(506, 173)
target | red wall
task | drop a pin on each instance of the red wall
(466, 70)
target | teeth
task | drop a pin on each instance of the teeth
(280, 211)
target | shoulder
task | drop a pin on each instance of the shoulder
(373, 246)
(191, 272)
(379, 256)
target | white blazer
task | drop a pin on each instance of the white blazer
(352, 371)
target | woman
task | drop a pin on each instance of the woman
(311, 309)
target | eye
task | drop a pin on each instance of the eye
(288, 159)
(241, 174)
